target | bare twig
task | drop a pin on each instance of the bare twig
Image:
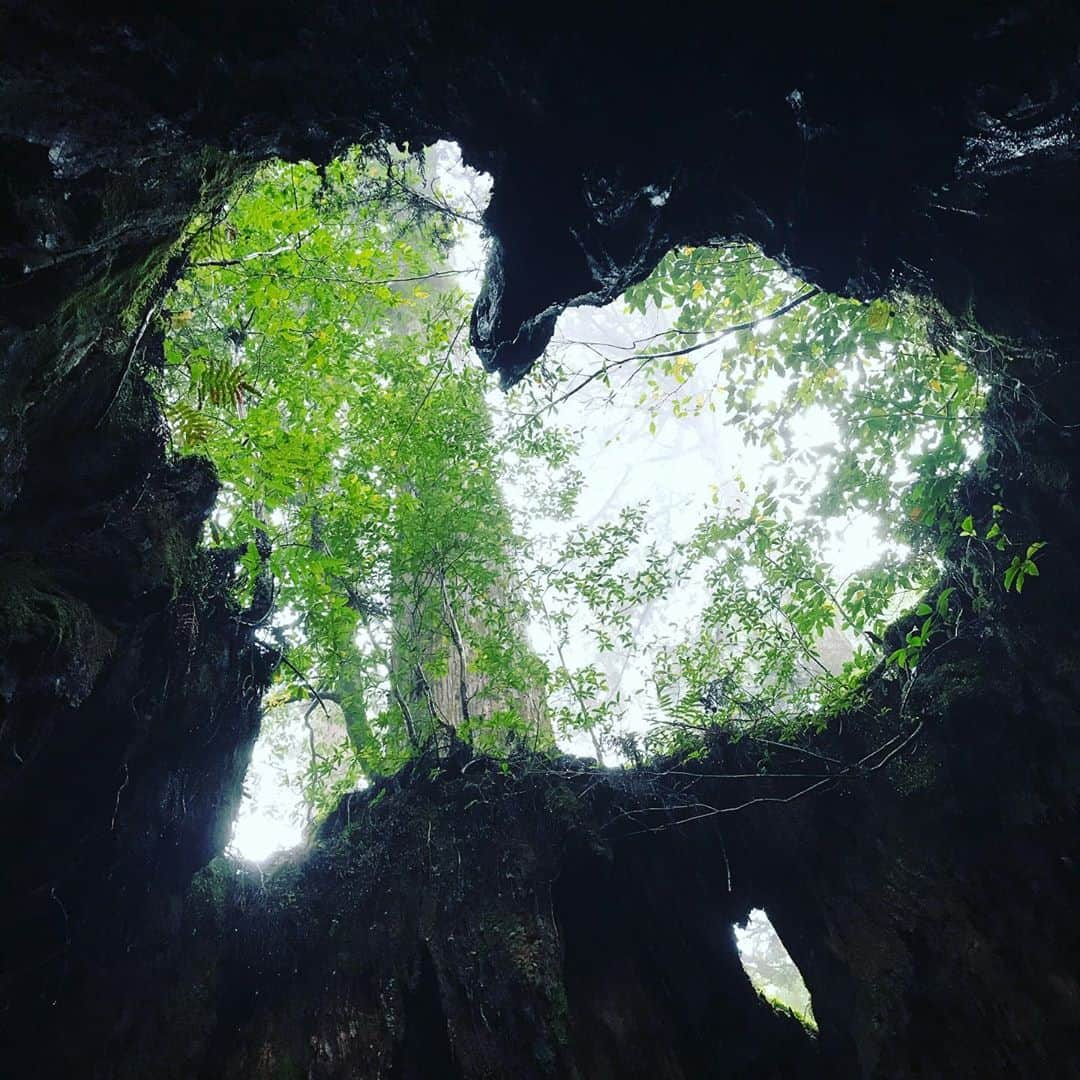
(431, 386)
(797, 750)
(67, 920)
(851, 771)
(172, 272)
(342, 279)
(307, 682)
(406, 712)
(119, 792)
(431, 203)
(645, 358)
(292, 244)
(151, 310)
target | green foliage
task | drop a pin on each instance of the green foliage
(898, 411)
(806, 1019)
(919, 636)
(903, 409)
(315, 355)
(1022, 566)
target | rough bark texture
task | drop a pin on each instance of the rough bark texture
(474, 925)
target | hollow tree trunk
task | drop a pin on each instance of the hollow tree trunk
(523, 926)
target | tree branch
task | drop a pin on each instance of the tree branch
(459, 645)
(852, 771)
(291, 244)
(307, 682)
(750, 324)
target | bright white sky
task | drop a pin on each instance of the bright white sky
(676, 469)
(270, 817)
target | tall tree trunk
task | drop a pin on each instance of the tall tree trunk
(435, 680)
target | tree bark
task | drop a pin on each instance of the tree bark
(530, 925)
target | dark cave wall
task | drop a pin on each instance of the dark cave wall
(928, 903)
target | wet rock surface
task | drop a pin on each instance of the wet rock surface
(929, 899)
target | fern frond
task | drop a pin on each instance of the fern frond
(190, 426)
(221, 383)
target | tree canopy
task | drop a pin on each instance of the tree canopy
(316, 354)
(860, 416)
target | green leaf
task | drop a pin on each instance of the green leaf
(1011, 574)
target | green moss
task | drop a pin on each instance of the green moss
(109, 303)
(32, 606)
(916, 772)
(526, 949)
(534, 957)
(942, 689)
(180, 561)
(116, 280)
(806, 1019)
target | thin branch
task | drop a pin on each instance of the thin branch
(695, 776)
(432, 203)
(151, 310)
(575, 689)
(431, 386)
(406, 712)
(848, 772)
(292, 244)
(346, 279)
(750, 324)
(765, 799)
(309, 801)
(119, 792)
(307, 682)
(459, 645)
(796, 750)
(436, 714)
(892, 753)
